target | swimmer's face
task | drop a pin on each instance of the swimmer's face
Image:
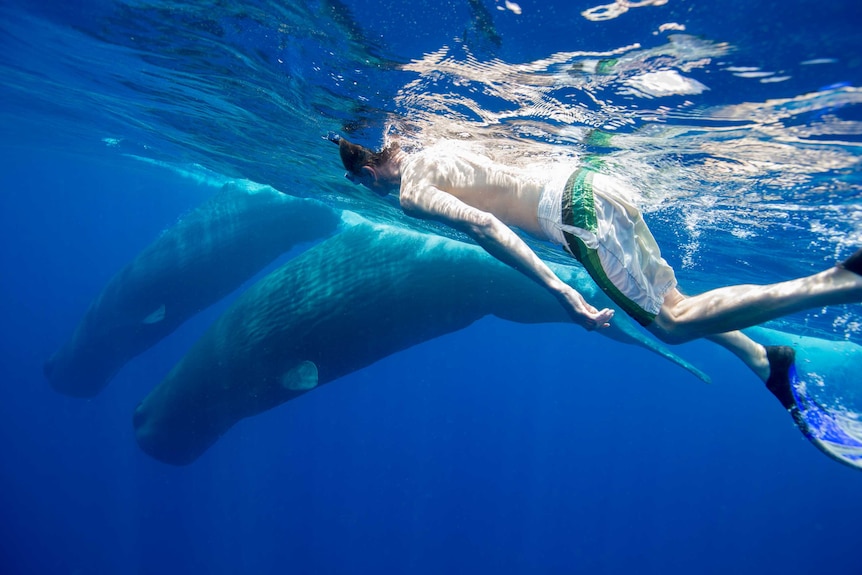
(369, 177)
(360, 179)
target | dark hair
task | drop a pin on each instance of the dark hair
(355, 157)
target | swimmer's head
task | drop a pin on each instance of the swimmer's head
(377, 171)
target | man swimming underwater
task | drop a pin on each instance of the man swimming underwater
(591, 216)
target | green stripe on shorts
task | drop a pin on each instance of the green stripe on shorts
(579, 210)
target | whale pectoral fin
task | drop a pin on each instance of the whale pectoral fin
(300, 377)
(155, 317)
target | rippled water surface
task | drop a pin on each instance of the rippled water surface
(500, 448)
(744, 144)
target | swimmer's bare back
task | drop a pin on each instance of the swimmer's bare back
(448, 193)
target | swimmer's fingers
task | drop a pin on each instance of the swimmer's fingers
(600, 319)
(592, 320)
(603, 318)
(583, 313)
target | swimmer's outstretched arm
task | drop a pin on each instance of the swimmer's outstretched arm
(504, 244)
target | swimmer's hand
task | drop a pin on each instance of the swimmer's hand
(583, 313)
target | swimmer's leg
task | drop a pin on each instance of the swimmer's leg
(833, 433)
(684, 318)
(749, 351)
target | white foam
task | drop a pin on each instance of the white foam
(512, 7)
(664, 83)
(758, 74)
(818, 61)
(617, 9)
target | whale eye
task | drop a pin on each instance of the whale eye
(301, 377)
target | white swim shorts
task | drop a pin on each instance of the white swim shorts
(591, 216)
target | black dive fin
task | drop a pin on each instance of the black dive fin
(780, 357)
(853, 263)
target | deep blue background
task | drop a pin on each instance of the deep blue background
(502, 448)
(499, 449)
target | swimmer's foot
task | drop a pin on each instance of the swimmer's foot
(853, 263)
(835, 434)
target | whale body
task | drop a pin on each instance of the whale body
(361, 295)
(202, 258)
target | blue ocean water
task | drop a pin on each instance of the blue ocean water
(501, 448)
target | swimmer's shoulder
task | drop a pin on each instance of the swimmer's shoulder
(442, 151)
(441, 161)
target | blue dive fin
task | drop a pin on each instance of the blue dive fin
(836, 434)
(833, 432)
